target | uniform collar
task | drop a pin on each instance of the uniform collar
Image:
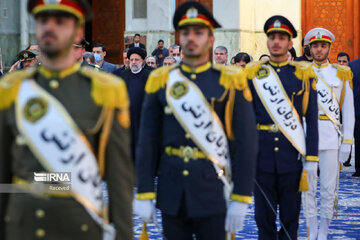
(59, 74)
(324, 65)
(198, 69)
(280, 64)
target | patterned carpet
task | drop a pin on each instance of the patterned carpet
(346, 226)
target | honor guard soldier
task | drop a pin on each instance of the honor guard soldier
(192, 112)
(336, 127)
(284, 94)
(59, 117)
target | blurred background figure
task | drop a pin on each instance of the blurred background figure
(160, 52)
(175, 51)
(151, 62)
(241, 59)
(89, 57)
(291, 54)
(343, 59)
(264, 57)
(79, 51)
(221, 55)
(306, 52)
(137, 42)
(99, 51)
(26, 59)
(168, 61)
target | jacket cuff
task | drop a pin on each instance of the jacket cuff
(312, 158)
(347, 141)
(145, 196)
(241, 198)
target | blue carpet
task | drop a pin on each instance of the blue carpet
(346, 226)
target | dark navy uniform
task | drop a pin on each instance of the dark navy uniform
(355, 68)
(189, 192)
(278, 164)
(191, 188)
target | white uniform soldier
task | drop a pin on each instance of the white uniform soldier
(336, 126)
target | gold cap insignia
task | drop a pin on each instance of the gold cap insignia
(26, 55)
(192, 13)
(179, 89)
(35, 109)
(318, 35)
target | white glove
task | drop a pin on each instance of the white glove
(144, 208)
(344, 152)
(235, 216)
(311, 167)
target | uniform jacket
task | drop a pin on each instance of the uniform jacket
(342, 88)
(200, 190)
(277, 154)
(28, 216)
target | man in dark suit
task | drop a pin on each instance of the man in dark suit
(355, 68)
(137, 42)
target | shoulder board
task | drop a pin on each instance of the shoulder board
(252, 68)
(158, 78)
(9, 86)
(344, 73)
(107, 90)
(303, 70)
(234, 78)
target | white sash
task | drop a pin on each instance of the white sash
(328, 101)
(58, 143)
(278, 105)
(194, 114)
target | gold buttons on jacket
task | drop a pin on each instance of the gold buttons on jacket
(276, 139)
(185, 173)
(276, 149)
(278, 70)
(40, 213)
(84, 227)
(193, 76)
(40, 233)
(54, 83)
(187, 136)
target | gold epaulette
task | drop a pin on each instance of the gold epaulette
(303, 70)
(158, 78)
(107, 90)
(234, 78)
(9, 86)
(344, 73)
(252, 68)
